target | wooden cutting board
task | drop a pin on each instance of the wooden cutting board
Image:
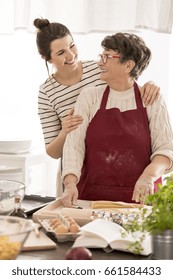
(42, 242)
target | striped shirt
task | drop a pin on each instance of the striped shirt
(55, 100)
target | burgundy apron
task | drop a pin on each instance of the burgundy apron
(118, 148)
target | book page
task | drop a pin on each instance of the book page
(90, 242)
(101, 233)
(128, 243)
(105, 229)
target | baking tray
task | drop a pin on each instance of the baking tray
(81, 216)
(32, 203)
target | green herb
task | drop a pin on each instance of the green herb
(161, 216)
(156, 220)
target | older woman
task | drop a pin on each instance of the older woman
(121, 148)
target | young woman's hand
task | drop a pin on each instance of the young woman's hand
(149, 93)
(70, 122)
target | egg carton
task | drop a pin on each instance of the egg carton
(46, 223)
(61, 237)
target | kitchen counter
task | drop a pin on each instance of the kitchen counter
(62, 247)
(59, 254)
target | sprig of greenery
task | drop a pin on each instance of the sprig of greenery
(161, 216)
(157, 219)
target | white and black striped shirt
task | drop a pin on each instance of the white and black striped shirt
(55, 100)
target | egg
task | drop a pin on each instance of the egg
(72, 221)
(61, 229)
(66, 217)
(74, 228)
(56, 224)
(54, 221)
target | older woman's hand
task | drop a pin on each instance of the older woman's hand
(70, 122)
(143, 187)
(70, 195)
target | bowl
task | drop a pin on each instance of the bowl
(13, 233)
(8, 191)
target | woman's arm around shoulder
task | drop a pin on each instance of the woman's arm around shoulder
(149, 92)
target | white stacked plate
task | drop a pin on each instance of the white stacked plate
(15, 146)
(10, 173)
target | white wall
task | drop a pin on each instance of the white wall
(22, 71)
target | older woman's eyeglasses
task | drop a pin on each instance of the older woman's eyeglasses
(104, 57)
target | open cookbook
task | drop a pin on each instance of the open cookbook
(101, 233)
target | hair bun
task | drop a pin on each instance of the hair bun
(41, 23)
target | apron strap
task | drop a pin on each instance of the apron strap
(105, 98)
